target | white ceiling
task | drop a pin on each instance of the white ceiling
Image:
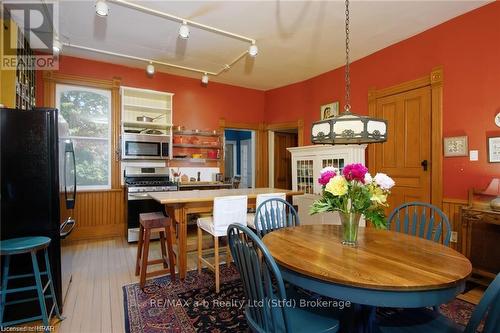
(296, 39)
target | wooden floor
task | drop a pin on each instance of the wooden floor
(94, 302)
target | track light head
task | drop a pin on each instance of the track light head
(150, 69)
(184, 30)
(101, 8)
(204, 78)
(253, 50)
(56, 47)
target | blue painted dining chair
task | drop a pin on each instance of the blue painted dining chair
(266, 310)
(274, 214)
(425, 320)
(421, 219)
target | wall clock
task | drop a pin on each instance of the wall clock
(497, 119)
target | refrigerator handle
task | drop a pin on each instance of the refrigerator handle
(69, 149)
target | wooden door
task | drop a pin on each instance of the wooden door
(283, 159)
(408, 147)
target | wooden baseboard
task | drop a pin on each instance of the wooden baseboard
(97, 232)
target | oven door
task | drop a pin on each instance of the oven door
(148, 147)
(139, 203)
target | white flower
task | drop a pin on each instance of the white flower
(368, 178)
(385, 182)
(329, 168)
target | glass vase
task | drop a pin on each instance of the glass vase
(350, 224)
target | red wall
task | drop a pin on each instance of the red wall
(195, 106)
(468, 48)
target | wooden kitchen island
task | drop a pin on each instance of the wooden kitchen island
(181, 203)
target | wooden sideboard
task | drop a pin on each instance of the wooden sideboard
(480, 237)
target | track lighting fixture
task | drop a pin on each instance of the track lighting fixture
(56, 47)
(150, 69)
(253, 50)
(101, 8)
(184, 30)
(204, 78)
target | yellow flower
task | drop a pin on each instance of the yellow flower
(378, 195)
(337, 186)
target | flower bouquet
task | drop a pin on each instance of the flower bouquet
(353, 193)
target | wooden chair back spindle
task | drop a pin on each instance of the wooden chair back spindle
(274, 214)
(421, 219)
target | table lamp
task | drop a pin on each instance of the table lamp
(494, 190)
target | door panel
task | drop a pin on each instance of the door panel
(283, 159)
(408, 144)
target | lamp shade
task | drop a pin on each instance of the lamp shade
(349, 128)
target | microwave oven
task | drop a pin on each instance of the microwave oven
(144, 146)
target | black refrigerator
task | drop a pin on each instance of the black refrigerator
(36, 170)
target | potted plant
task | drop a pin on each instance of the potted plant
(353, 193)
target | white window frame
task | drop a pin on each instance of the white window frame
(65, 87)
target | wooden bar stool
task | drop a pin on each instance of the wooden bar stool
(151, 222)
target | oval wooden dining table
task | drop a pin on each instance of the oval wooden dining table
(386, 269)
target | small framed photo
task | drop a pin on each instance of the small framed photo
(455, 146)
(494, 149)
(329, 110)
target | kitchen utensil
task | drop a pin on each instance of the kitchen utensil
(219, 177)
(151, 131)
(180, 156)
(132, 131)
(146, 119)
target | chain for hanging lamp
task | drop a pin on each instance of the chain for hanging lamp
(348, 128)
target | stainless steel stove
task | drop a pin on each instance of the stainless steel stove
(140, 182)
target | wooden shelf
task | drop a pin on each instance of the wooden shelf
(189, 145)
(195, 160)
(142, 124)
(197, 133)
(154, 109)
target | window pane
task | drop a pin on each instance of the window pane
(85, 111)
(92, 162)
(85, 118)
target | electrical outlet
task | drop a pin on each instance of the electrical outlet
(454, 237)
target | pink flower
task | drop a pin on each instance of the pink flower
(355, 171)
(326, 176)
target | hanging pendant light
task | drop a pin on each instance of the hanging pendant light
(348, 128)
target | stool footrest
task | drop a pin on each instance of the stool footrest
(157, 261)
(17, 290)
(159, 272)
(20, 276)
(26, 300)
(20, 321)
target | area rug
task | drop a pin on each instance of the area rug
(193, 306)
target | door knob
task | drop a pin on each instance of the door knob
(424, 164)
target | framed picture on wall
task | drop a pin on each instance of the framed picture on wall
(455, 146)
(329, 110)
(494, 149)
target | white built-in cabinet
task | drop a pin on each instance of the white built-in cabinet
(150, 103)
(307, 162)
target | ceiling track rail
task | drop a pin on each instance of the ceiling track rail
(168, 16)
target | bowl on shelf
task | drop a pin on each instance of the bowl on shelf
(195, 141)
(197, 155)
